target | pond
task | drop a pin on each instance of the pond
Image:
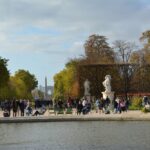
(94, 135)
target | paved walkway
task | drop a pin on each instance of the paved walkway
(47, 117)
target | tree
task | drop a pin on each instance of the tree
(4, 79)
(124, 52)
(136, 57)
(59, 85)
(4, 73)
(146, 39)
(65, 82)
(141, 58)
(98, 50)
(19, 88)
(29, 79)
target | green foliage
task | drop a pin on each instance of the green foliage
(23, 83)
(20, 88)
(136, 103)
(145, 110)
(28, 79)
(61, 111)
(131, 107)
(59, 85)
(17, 86)
(64, 80)
(69, 111)
(4, 73)
(5, 93)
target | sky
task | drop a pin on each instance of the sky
(42, 35)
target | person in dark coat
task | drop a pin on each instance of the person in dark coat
(79, 108)
(8, 105)
(60, 104)
(107, 101)
(15, 108)
(22, 107)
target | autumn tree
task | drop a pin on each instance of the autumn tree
(29, 79)
(4, 73)
(18, 87)
(145, 38)
(97, 50)
(4, 79)
(124, 51)
(142, 57)
(65, 82)
(141, 78)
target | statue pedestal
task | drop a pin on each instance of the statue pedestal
(110, 96)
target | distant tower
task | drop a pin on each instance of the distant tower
(45, 94)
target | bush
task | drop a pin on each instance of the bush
(131, 107)
(69, 111)
(60, 111)
(136, 103)
(145, 110)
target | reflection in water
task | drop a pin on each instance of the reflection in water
(75, 136)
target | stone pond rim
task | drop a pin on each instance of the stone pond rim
(70, 119)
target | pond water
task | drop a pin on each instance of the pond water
(98, 135)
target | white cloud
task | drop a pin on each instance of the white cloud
(74, 20)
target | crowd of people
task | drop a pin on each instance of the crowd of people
(81, 106)
(22, 108)
(17, 107)
(84, 106)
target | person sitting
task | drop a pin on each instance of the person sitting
(86, 109)
(40, 111)
(6, 110)
(6, 113)
(123, 105)
(28, 110)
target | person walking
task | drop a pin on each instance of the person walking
(15, 108)
(22, 107)
(79, 108)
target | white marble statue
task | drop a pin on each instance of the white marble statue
(107, 83)
(87, 87)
